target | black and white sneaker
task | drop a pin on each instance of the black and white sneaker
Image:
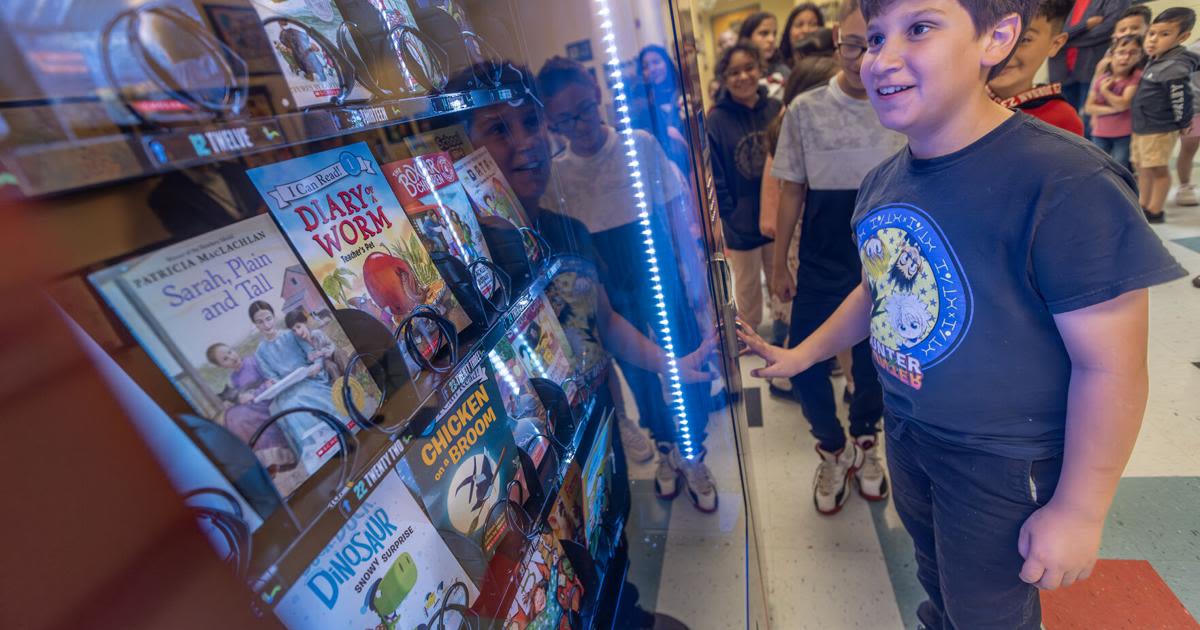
(831, 487)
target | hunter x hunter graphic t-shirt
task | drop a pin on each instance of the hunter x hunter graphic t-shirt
(970, 255)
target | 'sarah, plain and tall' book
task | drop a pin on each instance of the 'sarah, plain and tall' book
(239, 328)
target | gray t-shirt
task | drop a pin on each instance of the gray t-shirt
(830, 141)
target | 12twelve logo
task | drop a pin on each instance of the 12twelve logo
(922, 300)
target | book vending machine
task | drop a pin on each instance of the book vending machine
(417, 305)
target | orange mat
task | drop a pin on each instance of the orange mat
(1120, 594)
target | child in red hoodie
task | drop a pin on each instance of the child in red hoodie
(1014, 87)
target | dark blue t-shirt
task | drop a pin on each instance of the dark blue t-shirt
(970, 255)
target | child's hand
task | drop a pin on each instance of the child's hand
(780, 362)
(783, 285)
(245, 398)
(314, 355)
(1059, 546)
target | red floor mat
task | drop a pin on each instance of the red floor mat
(1120, 594)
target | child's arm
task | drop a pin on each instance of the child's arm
(768, 207)
(1106, 401)
(849, 324)
(1092, 108)
(1119, 102)
(791, 206)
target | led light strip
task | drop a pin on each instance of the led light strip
(635, 172)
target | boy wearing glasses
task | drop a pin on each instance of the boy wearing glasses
(829, 141)
(1006, 266)
(594, 173)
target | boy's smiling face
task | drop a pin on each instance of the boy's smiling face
(1039, 43)
(925, 62)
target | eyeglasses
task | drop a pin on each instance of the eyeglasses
(851, 52)
(588, 112)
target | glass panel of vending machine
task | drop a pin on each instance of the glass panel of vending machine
(422, 300)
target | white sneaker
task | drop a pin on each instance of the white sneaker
(702, 490)
(872, 479)
(666, 476)
(1186, 196)
(831, 487)
(638, 448)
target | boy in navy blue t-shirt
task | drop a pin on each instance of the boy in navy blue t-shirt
(1005, 274)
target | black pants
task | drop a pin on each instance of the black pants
(815, 391)
(964, 510)
(631, 290)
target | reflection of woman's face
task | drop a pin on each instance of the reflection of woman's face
(654, 68)
(264, 320)
(227, 358)
(804, 25)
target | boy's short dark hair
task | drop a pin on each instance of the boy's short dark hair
(1055, 12)
(560, 72)
(727, 57)
(295, 317)
(1182, 17)
(984, 13)
(1139, 10)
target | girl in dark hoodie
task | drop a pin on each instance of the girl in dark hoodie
(737, 135)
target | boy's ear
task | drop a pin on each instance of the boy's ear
(1057, 43)
(1002, 40)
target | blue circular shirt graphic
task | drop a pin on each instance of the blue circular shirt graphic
(922, 300)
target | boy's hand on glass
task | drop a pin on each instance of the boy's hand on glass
(1059, 546)
(783, 286)
(780, 362)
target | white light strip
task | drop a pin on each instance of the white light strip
(664, 329)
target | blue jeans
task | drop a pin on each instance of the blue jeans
(630, 289)
(1117, 149)
(815, 392)
(964, 510)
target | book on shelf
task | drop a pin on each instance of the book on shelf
(530, 418)
(383, 50)
(338, 211)
(549, 593)
(543, 348)
(307, 56)
(238, 327)
(461, 467)
(596, 475)
(566, 518)
(493, 196)
(452, 139)
(386, 567)
(439, 209)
